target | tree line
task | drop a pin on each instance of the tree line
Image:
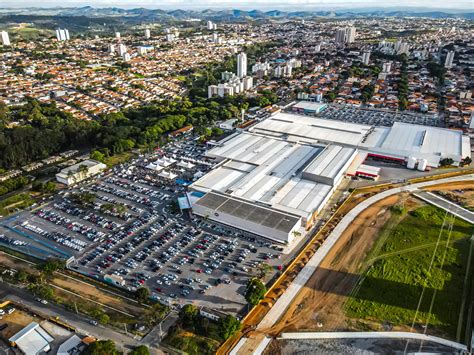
(35, 130)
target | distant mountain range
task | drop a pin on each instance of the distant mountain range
(229, 15)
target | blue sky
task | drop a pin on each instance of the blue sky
(246, 4)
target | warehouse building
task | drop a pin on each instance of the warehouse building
(397, 143)
(276, 178)
(282, 185)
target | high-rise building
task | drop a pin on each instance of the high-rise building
(283, 71)
(5, 38)
(402, 47)
(366, 57)
(340, 35)
(62, 34)
(126, 57)
(117, 35)
(147, 33)
(350, 34)
(448, 63)
(241, 65)
(122, 49)
(387, 67)
(294, 63)
(111, 48)
(210, 25)
(346, 35)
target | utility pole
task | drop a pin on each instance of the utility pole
(75, 306)
(125, 327)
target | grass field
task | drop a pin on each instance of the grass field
(16, 202)
(118, 158)
(397, 272)
(191, 343)
(29, 33)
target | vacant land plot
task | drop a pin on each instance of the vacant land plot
(191, 343)
(14, 323)
(415, 273)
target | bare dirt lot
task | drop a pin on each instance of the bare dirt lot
(15, 321)
(317, 308)
(461, 194)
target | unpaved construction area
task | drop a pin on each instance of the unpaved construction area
(319, 304)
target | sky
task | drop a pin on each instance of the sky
(245, 4)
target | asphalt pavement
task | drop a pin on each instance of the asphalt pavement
(82, 325)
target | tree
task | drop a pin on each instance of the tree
(51, 265)
(263, 269)
(102, 317)
(21, 276)
(446, 162)
(156, 313)
(96, 155)
(142, 294)
(47, 187)
(42, 290)
(255, 291)
(140, 350)
(83, 198)
(101, 347)
(228, 326)
(467, 161)
(83, 170)
(188, 315)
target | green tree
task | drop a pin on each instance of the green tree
(228, 326)
(263, 269)
(101, 347)
(102, 317)
(51, 265)
(188, 315)
(96, 155)
(255, 291)
(22, 276)
(140, 350)
(142, 294)
(42, 290)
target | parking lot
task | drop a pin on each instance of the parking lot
(126, 226)
(377, 117)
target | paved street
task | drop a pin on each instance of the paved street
(81, 323)
(446, 205)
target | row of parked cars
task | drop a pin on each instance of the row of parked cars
(90, 233)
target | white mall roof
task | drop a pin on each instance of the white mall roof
(422, 142)
(269, 171)
(311, 129)
(330, 162)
